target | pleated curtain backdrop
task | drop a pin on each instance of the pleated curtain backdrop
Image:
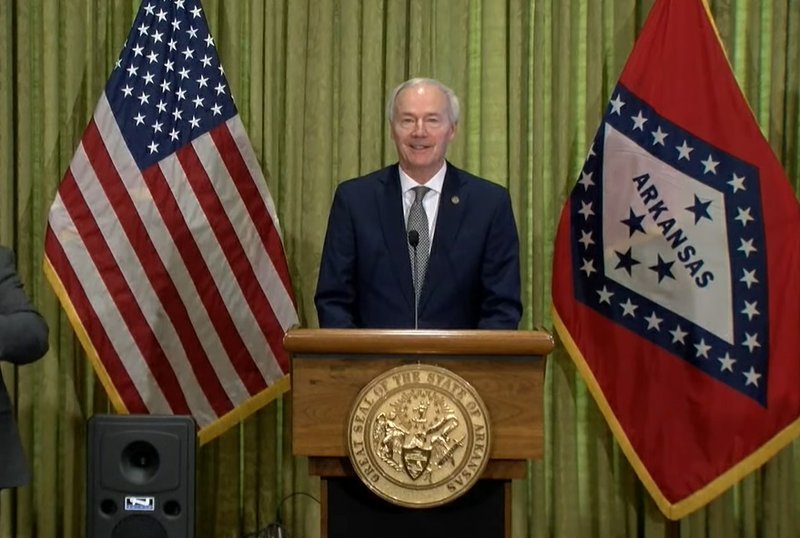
(310, 79)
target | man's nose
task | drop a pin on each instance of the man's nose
(420, 129)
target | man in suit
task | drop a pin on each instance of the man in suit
(465, 261)
(23, 339)
(419, 244)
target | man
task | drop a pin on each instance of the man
(419, 244)
(387, 264)
(23, 339)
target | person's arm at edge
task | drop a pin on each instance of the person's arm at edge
(23, 332)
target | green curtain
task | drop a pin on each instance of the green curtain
(310, 78)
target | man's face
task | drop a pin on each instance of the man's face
(421, 130)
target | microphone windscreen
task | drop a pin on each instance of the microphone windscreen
(413, 238)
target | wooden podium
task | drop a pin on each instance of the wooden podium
(331, 366)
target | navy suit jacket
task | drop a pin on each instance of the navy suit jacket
(472, 280)
(23, 338)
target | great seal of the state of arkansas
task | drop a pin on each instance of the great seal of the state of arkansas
(418, 435)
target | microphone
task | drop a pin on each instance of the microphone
(413, 240)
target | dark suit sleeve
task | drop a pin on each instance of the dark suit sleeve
(501, 305)
(335, 297)
(23, 332)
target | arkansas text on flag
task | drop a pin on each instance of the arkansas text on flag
(163, 242)
(677, 269)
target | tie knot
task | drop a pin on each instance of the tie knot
(420, 192)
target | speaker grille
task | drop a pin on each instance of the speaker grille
(139, 526)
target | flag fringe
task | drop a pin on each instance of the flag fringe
(83, 336)
(243, 410)
(704, 495)
(205, 434)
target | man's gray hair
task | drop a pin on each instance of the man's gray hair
(452, 100)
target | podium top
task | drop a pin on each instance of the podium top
(418, 342)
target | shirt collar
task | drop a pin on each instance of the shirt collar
(435, 183)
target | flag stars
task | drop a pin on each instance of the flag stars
(634, 222)
(177, 114)
(626, 260)
(750, 341)
(616, 105)
(605, 295)
(628, 308)
(144, 98)
(152, 57)
(169, 65)
(179, 4)
(216, 109)
(150, 9)
(202, 81)
(586, 210)
(678, 335)
(751, 377)
(198, 102)
(187, 53)
(209, 41)
(158, 37)
(653, 322)
(176, 24)
(702, 349)
(588, 267)
(663, 269)
(157, 126)
(132, 70)
(162, 15)
(184, 73)
(684, 150)
(750, 310)
(196, 11)
(172, 44)
(700, 209)
(148, 78)
(161, 106)
(139, 118)
(192, 32)
(743, 215)
(194, 122)
(749, 277)
(181, 94)
(659, 136)
(173, 134)
(726, 363)
(737, 183)
(153, 147)
(639, 121)
(710, 165)
(206, 61)
(586, 239)
(220, 88)
(586, 180)
(746, 247)
(127, 90)
(164, 86)
(143, 28)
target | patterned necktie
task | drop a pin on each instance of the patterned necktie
(418, 221)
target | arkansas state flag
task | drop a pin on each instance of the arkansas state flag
(677, 269)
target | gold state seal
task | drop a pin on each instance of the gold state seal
(418, 435)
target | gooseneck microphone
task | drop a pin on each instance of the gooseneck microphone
(413, 240)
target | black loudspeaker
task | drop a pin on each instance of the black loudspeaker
(141, 474)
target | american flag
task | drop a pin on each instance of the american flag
(163, 243)
(676, 270)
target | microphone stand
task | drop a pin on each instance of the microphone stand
(413, 240)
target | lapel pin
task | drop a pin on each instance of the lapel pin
(455, 200)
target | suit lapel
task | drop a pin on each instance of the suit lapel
(390, 204)
(452, 204)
